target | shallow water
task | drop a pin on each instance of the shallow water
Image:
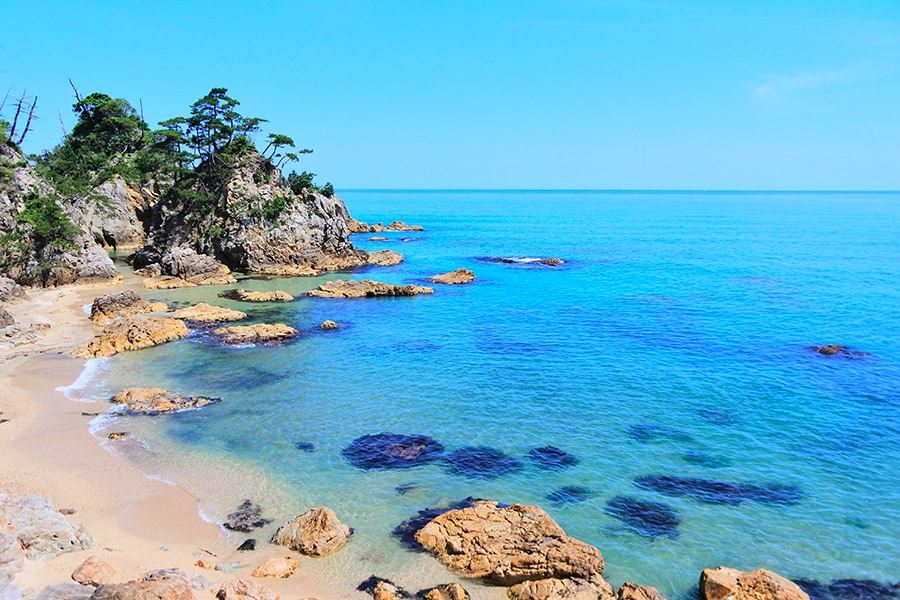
(673, 341)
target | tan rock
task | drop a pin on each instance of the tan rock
(633, 591)
(377, 238)
(315, 533)
(401, 226)
(561, 589)
(106, 308)
(261, 333)
(157, 400)
(249, 296)
(509, 545)
(166, 282)
(366, 288)
(205, 313)
(277, 566)
(445, 591)
(385, 258)
(385, 590)
(328, 325)
(118, 435)
(244, 589)
(133, 332)
(94, 572)
(726, 583)
(204, 564)
(456, 277)
(168, 584)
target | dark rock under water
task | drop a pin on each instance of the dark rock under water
(551, 458)
(571, 494)
(248, 545)
(305, 446)
(713, 491)
(246, 517)
(850, 589)
(705, 459)
(717, 416)
(648, 433)
(481, 462)
(645, 517)
(392, 451)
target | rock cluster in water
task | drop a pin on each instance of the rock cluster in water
(261, 333)
(645, 517)
(720, 492)
(154, 401)
(250, 296)
(480, 462)
(360, 227)
(206, 313)
(366, 288)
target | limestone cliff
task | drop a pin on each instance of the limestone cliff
(116, 214)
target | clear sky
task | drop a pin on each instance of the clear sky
(682, 94)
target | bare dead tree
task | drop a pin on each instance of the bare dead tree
(19, 104)
(5, 98)
(141, 102)
(63, 125)
(31, 117)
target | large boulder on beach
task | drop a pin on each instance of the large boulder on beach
(153, 401)
(726, 583)
(445, 591)
(506, 545)
(11, 292)
(133, 332)
(456, 277)
(42, 531)
(94, 572)
(11, 556)
(385, 258)
(366, 288)
(315, 533)
(250, 296)
(561, 589)
(261, 333)
(276, 566)
(106, 308)
(206, 313)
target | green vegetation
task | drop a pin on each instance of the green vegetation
(50, 226)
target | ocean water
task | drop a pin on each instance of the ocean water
(669, 354)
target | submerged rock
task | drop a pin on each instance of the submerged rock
(705, 459)
(133, 332)
(517, 260)
(839, 351)
(392, 451)
(850, 589)
(551, 458)
(724, 583)
(481, 462)
(205, 313)
(250, 296)
(246, 518)
(305, 446)
(570, 494)
(456, 277)
(717, 416)
(366, 288)
(720, 492)
(407, 530)
(644, 517)
(647, 433)
(508, 545)
(154, 401)
(385, 258)
(248, 545)
(261, 333)
(315, 533)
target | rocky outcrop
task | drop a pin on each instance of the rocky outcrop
(94, 572)
(509, 545)
(133, 332)
(180, 266)
(262, 333)
(244, 589)
(445, 591)
(206, 313)
(154, 401)
(42, 531)
(115, 213)
(726, 583)
(385, 258)
(366, 288)
(6, 319)
(166, 584)
(456, 277)
(524, 260)
(561, 589)
(315, 533)
(360, 227)
(248, 296)
(633, 591)
(106, 308)
(12, 558)
(11, 292)
(277, 566)
(328, 324)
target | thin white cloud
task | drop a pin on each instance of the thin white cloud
(780, 88)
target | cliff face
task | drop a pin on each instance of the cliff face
(116, 214)
(30, 255)
(257, 224)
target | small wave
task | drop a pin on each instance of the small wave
(89, 385)
(160, 478)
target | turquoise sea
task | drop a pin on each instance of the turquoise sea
(669, 354)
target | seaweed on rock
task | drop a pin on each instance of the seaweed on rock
(551, 458)
(392, 451)
(645, 517)
(481, 462)
(713, 491)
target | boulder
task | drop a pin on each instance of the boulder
(248, 296)
(633, 591)
(361, 227)
(277, 566)
(524, 261)
(378, 238)
(261, 333)
(383, 589)
(169, 584)
(246, 518)
(456, 277)
(62, 591)
(327, 324)
(42, 531)
(445, 591)
(133, 332)
(153, 401)
(6, 319)
(839, 351)
(385, 258)
(118, 435)
(561, 589)
(11, 555)
(366, 288)
(205, 313)
(11, 292)
(726, 583)
(106, 308)
(94, 572)
(315, 533)
(199, 269)
(506, 545)
(244, 589)
(166, 282)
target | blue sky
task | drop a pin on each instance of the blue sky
(726, 94)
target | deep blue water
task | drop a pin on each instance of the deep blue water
(672, 343)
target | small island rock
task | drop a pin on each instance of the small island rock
(315, 533)
(205, 313)
(154, 401)
(249, 296)
(366, 288)
(133, 332)
(327, 324)
(761, 584)
(261, 333)
(456, 277)
(385, 258)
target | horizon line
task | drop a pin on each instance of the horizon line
(622, 190)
